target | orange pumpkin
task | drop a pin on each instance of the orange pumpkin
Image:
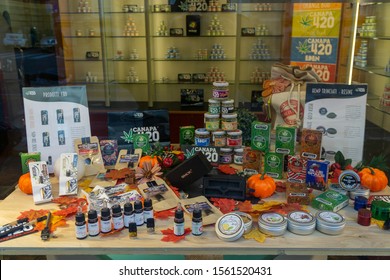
(373, 179)
(24, 183)
(152, 159)
(263, 186)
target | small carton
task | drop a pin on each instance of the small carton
(311, 143)
(187, 135)
(317, 174)
(26, 158)
(141, 141)
(285, 140)
(251, 160)
(260, 136)
(40, 180)
(296, 169)
(109, 150)
(273, 165)
(68, 174)
(330, 200)
(297, 193)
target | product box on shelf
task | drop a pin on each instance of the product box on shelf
(193, 25)
(297, 193)
(251, 160)
(191, 97)
(311, 143)
(26, 158)
(330, 200)
(317, 174)
(187, 135)
(260, 136)
(285, 139)
(296, 169)
(273, 165)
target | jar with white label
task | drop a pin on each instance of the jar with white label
(220, 90)
(202, 137)
(226, 155)
(238, 155)
(219, 138)
(229, 122)
(234, 138)
(214, 106)
(227, 106)
(211, 121)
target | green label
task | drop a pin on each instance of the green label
(260, 136)
(285, 140)
(273, 165)
(141, 141)
(187, 135)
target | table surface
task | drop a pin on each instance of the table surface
(355, 239)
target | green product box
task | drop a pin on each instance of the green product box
(273, 165)
(26, 158)
(260, 136)
(141, 141)
(187, 135)
(285, 140)
(330, 200)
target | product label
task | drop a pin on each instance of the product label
(148, 214)
(272, 218)
(93, 229)
(118, 222)
(202, 142)
(105, 226)
(233, 142)
(178, 229)
(81, 231)
(212, 125)
(127, 219)
(260, 136)
(301, 217)
(331, 217)
(225, 125)
(197, 228)
(139, 219)
(220, 93)
(230, 224)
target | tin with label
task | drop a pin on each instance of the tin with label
(227, 106)
(229, 122)
(214, 106)
(211, 121)
(234, 138)
(349, 180)
(202, 137)
(329, 222)
(230, 227)
(219, 138)
(300, 222)
(272, 223)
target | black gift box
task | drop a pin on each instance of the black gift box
(188, 172)
(193, 25)
(224, 186)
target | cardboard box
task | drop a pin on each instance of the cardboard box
(273, 165)
(311, 143)
(297, 193)
(193, 25)
(330, 200)
(317, 174)
(260, 136)
(224, 186)
(285, 140)
(296, 169)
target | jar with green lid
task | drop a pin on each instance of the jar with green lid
(234, 138)
(220, 90)
(227, 106)
(202, 137)
(211, 121)
(214, 106)
(219, 138)
(238, 155)
(380, 210)
(226, 155)
(229, 122)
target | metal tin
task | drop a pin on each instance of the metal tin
(229, 227)
(349, 180)
(300, 222)
(360, 191)
(272, 223)
(248, 221)
(330, 222)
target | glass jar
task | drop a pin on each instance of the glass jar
(220, 90)
(234, 138)
(238, 155)
(226, 155)
(214, 106)
(229, 122)
(227, 106)
(202, 137)
(219, 138)
(211, 121)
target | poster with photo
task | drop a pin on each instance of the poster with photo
(55, 117)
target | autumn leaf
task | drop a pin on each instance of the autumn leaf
(256, 235)
(280, 186)
(56, 221)
(169, 235)
(176, 191)
(227, 169)
(266, 206)
(225, 205)
(166, 214)
(245, 206)
(112, 232)
(378, 223)
(32, 214)
(115, 174)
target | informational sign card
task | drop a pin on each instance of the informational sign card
(55, 117)
(339, 111)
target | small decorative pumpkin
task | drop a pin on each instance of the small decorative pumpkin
(153, 160)
(374, 179)
(24, 183)
(263, 186)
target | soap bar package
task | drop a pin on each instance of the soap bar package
(273, 165)
(311, 143)
(330, 200)
(260, 136)
(285, 140)
(187, 135)
(68, 174)
(251, 160)
(317, 174)
(26, 158)
(109, 149)
(88, 149)
(297, 193)
(41, 185)
(296, 169)
(141, 141)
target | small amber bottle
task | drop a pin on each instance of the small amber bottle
(132, 230)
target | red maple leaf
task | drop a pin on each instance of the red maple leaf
(286, 208)
(280, 186)
(226, 205)
(166, 214)
(169, 236)
(245, 206)
(176, 191)
(32, 214)
(227, 169)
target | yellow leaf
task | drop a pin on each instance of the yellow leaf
(265, 206)
(256, 235)
(377, 222)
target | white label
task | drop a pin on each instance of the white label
(81, 231)
(139, 219)
(129, 219)
(93, 229)
(105, 226)
(197, 228)
(148, 214)
(178, 229)
(118, 222)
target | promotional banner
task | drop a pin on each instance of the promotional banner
(339, 111)
(55, 117)
(315, 37)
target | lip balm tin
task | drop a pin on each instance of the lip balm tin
(272, 224)
(229, 227)
(360, 191)
(248, 221)
(300, 222)
(329, 222)
(349, 180)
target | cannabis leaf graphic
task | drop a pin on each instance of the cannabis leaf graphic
(183, 6)
(304, 47)
(128, 137)
(189, 153)
(305, 21)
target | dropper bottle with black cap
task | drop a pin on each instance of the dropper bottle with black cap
(197, 221)
(105, 219)
(148, 209)
(138, 213)
(81, 226)
(117, 217)
(178, 222)
(93, 223)
(128, 213)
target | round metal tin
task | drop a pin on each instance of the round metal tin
(300, 222)
(360, 191)
(248, 221)
(272, 224)
(330, 222)
(229, 227)
(349, 180)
